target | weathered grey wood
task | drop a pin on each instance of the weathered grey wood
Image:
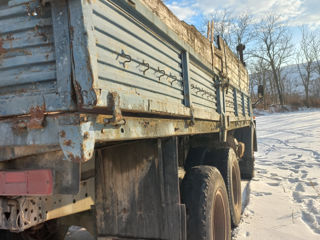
(137, 194)
(83, 59)
(59, 11)
(175, 211)
(235, 99)
(243, 105)
(128, 201)
(186, 79)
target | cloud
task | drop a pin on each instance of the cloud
(296, 12)
(184, 10)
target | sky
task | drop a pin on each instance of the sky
(295, 12)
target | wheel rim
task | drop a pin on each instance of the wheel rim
(220, 221)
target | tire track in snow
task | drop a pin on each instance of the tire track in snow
(287, 167)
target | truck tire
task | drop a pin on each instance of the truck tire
(195, 157)
(6, 235)
(226, 161)
(44, 231)
(247, 168)
(247, 135)
(205, 196)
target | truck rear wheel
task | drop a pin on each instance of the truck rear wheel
(247, 135)
(247, 168)
(205, 196)
(226, 161)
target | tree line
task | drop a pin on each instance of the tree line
(269, 48)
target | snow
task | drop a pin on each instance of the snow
(283, 199)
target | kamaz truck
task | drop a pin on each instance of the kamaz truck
(117, 117)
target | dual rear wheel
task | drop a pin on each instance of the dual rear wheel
(212, 195)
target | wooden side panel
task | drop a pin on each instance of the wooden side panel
(137, 192)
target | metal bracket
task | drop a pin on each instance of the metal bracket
(225, 122)
(117, 118)
(223, 83)
(76, 138)
(23, 213)
(193, 121)
(37, 117)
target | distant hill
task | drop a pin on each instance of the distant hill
(293, 82)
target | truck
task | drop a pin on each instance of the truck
(117, 117)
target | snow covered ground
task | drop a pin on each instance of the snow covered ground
(284, 197)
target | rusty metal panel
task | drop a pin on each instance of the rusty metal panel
(229, 101)
(247, 105)
(111, 48)
(133, 60)
(34, 57)
(123, 55)
(239, 103)
(124, 49)
(203, 89)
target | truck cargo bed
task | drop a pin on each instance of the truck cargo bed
(106, 70)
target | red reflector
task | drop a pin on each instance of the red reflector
(25, 183)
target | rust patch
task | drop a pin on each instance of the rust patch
(91, 1)
(73, 158)
(145, 124)
(67, 142)
(78, 90)
(41, 32)
(2, 50)
(37, 117)
(86, 136)
(83, 118)
(62, 134)
(19, 127)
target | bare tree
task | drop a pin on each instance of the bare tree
(274, 47)
(316, 54)
(223, 21)
(234, 29)
(315, 43)
(259, 76)
(306, 59)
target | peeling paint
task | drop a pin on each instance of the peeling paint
(62, 134)
(37, 117)
(2, 50)
(67, 142)
(86, 136)
(74, 158)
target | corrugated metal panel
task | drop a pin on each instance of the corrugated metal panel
(229, 101)
(35, 59)
(239, 103)
(203, 91)
(132, 59)
(246, 106)
(27, 63)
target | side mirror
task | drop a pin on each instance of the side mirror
(260, 91)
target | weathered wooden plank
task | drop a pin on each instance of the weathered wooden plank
(129, 191)
(140, 188)
(61, 30)
(83, 52)
(186, 79)
(174, 210)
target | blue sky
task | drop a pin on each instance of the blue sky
(295, 12)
